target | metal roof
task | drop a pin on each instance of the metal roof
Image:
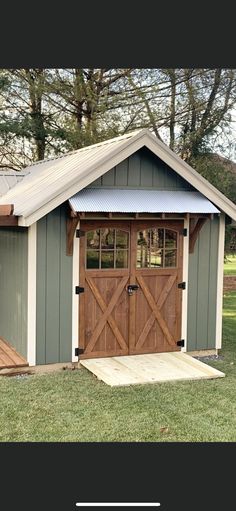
(52, 182)
(10, 178)
(48, 178)
(140, 201)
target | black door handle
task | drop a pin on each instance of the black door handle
(131, 288)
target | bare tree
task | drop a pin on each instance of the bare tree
(45, 112)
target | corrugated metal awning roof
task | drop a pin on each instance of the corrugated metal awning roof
(140, 201)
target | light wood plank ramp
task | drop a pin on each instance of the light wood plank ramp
(9, 357)
(149, 368)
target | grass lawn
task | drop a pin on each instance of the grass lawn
(230, 265)
(75, 406)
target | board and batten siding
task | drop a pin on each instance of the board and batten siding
(54, 285)
(202, 289)
(142, 170)
(13, 287)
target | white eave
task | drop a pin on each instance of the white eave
(51, 182)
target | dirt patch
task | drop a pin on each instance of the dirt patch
(229, 283)
(210, 357)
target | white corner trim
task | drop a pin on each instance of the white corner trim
(75, 298)
(220, 277)
(185, 279)
(31, 326)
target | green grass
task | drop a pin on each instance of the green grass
(75, 406)
(230, 265)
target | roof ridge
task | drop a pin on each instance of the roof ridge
(13, 172)
(88, 147)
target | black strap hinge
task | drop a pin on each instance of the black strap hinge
(180, 343)
(182, 285)
(184, 232)
(79, 233)
(78, 351)
(78, 290)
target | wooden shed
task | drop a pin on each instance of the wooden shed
(113, 249)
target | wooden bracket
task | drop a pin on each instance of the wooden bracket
(71, 225)
(195, 232)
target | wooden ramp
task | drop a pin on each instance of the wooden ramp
(149, 368)
(9, 357)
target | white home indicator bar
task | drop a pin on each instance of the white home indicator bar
(118, 504)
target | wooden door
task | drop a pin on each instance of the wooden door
(114, 318)
(156, 267)
(104, 274)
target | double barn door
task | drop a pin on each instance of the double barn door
(130, 271)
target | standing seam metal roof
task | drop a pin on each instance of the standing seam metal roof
(51, 182)
(46, 178)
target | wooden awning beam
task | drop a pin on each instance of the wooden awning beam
(201, 215)
(132, 216)
(111, 214)
(7, 219)
(74, 217)
(6, 209)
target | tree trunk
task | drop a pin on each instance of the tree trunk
(35, 80)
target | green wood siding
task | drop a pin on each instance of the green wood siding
(13, 287)
(202, 289)
(142, 169)
(54, 290)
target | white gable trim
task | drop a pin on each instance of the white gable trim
(192, 176)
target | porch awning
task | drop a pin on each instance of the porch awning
(140, 201)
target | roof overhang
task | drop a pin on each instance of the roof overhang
(58, 180)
